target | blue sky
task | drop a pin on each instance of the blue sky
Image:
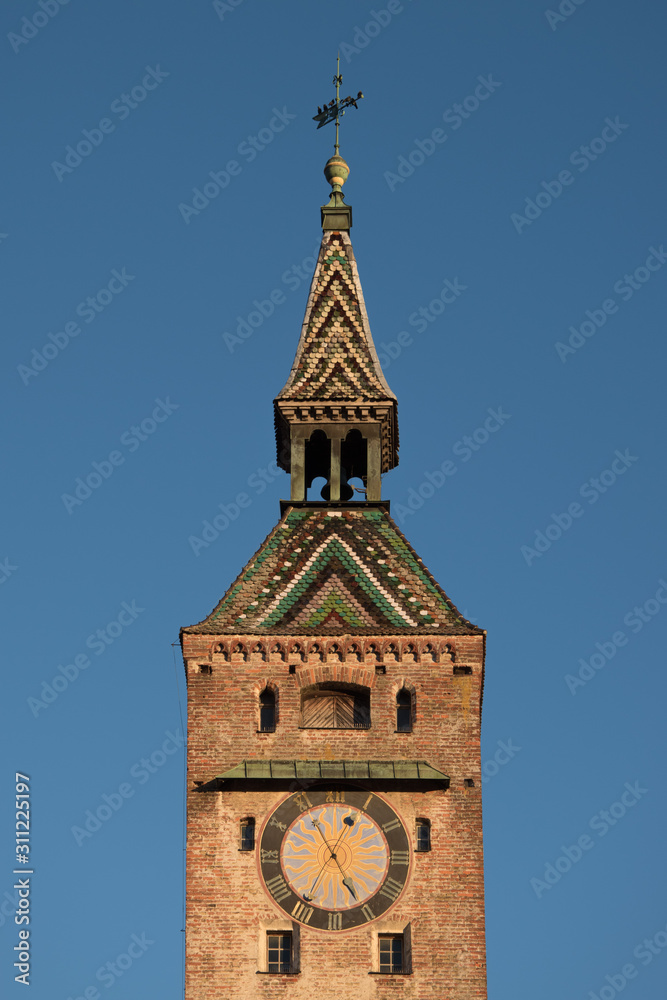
(512, 150)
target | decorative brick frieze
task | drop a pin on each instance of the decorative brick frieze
(363, 650)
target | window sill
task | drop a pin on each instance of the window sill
(260, 972)
(338, 729)
(388, 975)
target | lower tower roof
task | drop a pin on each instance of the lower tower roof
(335, 570)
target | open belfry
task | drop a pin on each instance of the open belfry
(334, 823)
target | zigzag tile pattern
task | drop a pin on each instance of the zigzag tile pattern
(324, 571)
(336, 359)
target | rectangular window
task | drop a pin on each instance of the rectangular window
(423, 835)
(267, 711)
(248, 834)
(403, 711)
(279, 952)
(391, 953)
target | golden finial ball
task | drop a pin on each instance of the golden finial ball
(336, 170)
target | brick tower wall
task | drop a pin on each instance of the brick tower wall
(228, 910)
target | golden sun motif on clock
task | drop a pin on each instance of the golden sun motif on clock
(335, 856)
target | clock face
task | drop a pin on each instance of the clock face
(334, 859)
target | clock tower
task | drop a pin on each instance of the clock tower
(334, 820)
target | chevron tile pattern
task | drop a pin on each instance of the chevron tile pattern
(324, 571)
(336, 359)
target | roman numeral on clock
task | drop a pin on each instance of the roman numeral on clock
(303, 912)
(335, 922)
(400, 857)
(278, 887)
(367, 912)
(392, 889)
(302, 801)
(335, 797)
(393, 824)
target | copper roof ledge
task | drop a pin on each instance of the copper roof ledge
(293, 774)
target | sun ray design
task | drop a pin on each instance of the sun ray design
(329, 844)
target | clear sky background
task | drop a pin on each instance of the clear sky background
(562, 595)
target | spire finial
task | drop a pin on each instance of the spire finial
(336, 215)
(334, 110)
(338, 79)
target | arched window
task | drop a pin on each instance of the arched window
(423, 835)
(247, 834)
(267, 711)
(404, 711)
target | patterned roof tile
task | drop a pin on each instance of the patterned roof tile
(336, 358)
(335, 571)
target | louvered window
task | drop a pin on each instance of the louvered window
(336, 709)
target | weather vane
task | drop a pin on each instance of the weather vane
(335, 109)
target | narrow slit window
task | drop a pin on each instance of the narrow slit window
(267, 711)
(423, 835)
(404, 711)
(248, 834)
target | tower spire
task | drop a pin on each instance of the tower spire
(336, 417)
(334, 642)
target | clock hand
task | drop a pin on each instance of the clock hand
(347, 882)
(318, 827)
(309, 895)
(316, 824)
(349, 823)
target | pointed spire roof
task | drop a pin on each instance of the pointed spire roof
(334, 572)
(336, 375)
(336, 360)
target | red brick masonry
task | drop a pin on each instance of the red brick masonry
(442, 908)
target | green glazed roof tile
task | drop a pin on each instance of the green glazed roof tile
(367, 579)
